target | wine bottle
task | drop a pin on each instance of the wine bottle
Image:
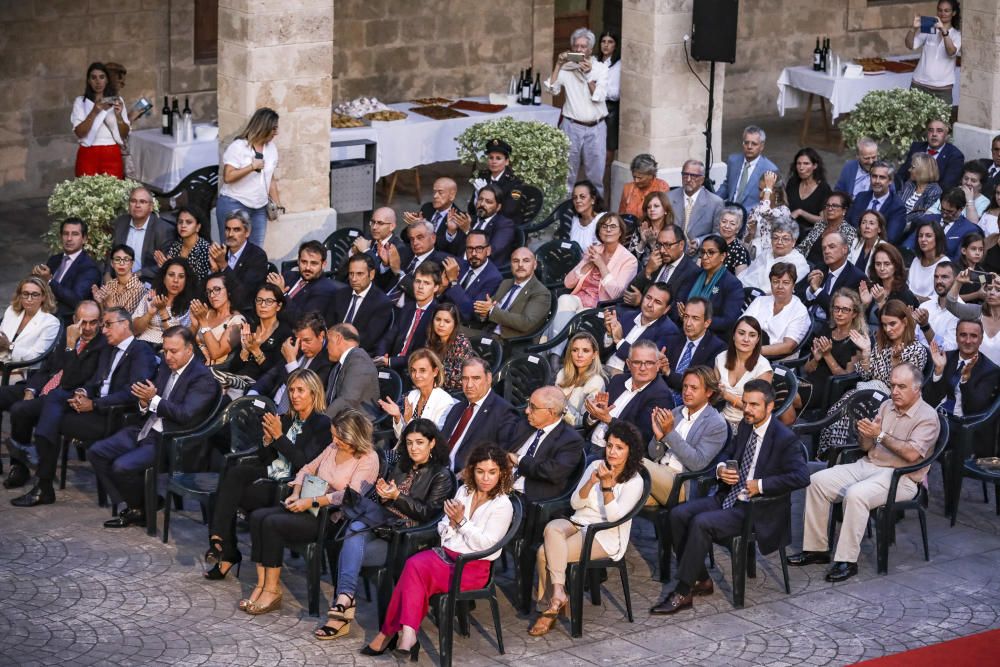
(188, 120)
(520, 87)
(175, 119)
(536, 94)
(826, 54)
(526, 87)
(817, 57)
(165, 116)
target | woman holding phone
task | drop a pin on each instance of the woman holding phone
(939, 44)
(100, 124)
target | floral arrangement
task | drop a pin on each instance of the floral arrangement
(894, 118)
(539, 154)
(98, 200)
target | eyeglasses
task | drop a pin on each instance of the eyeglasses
(31, 295)
(843, 309)
(781, 239)
(374, 222)
(709, 253)
(121, 260)
(107, 325)
(658, 245)
(212, 291)
(533, 407)
(265, 302)
(642, 364)
(610, 225)
(686, 174)
(477, 248)
(834, 206)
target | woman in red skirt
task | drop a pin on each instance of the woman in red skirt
(100, 125)
(476, 519)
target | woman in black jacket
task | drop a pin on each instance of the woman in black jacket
(290, 442)
(414, 494)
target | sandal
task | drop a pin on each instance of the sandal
(326, 632)
(339, 612)
(256, 609)
(214, 553)
(257, 590)
(546, 621)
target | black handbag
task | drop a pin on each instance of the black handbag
(358, 507)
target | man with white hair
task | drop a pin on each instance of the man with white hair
(744, 170)
(584, 79)
(854, 177)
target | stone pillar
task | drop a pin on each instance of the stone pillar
(542, 36)
(979, 105)
(663, 108)
(280, 55)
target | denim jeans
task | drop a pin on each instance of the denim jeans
(357, 551)
(258, 219)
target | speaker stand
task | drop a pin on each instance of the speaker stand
(708, 123)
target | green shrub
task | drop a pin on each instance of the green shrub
(894, 118)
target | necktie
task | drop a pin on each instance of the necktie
(467, 280)
(954, 380)
(664, 274)
(57, 378)
(281, 396)
(66, 261)
(828, 283)
(994, 170)
(688, 205)
(534, 443)
(436, 219)
(412, 265)
(509, 298)
(456, 435)
(106, 385)
(296, 288)
(874, 205)
(232, 261)
(744, 177)
(480, 224)
(331, 390)
(932, 152)
(349, 317)
(151, 421)
(682, 365)
(418, 314)
(745, 462)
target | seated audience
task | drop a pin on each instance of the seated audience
(871, 234)
(697, 347)
(422, 248)
(769, 462)
(260, 343)
(854, 178)
(624, 326)
(244, 261)
(349, 461)
(182, 395)
(521, 303)
(290, 441)
(414, 319)
(715, 283)
(947, 155)
(71, 274)
(142, 230)
(581, 376)
(353, 381)
(930, 251)
(781, 315)
(216, 327)
(807, 189)
(696, 209)
(729, 223)
(963, 382)
(304, 349)
(306, 290)
(895, 343)
(542, 448)
(992, 164)
(988, 220)
(670, 265)
(903, 433)
(445, 339)
(480, 416)
(498, 172)
(29, 328)
(476, 519)
(881, 199)
(772, 206)
(362, 303)
(436, 211)
(376, 246)
(488, 219)
(589, 208)
(122, 288)
(988, 313)
(635, 193)
(427, 400)
(833, 350)
(738, 365)
(167, 303)
(744, 171)
(783, 235)
(971, 256)
(411, 495)
(687, 438)
(933, 317)
(190, 244)
(630, 396)
(821, 284)
(920, 192)
(610, 488)
(974, 180)
(953, 224)
(811, 246)
(473, 279)
(657, 212)
(886, 280)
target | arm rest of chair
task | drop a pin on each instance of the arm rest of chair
(408, 541)
(971, 422)
(850, 452)
(682, 478)
(810, 428)
(544, 510)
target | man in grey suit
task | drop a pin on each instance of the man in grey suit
(144, 232)
(353, 380)
(696, 210)
(744, 171)
(521, 304)
(686, 438)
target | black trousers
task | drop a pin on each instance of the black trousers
(85, 426)
(23, 416)
(271, 528)
(694, 526)
(236, 490)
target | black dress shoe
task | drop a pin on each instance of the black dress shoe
(841, 571)
(18, 475)
(34, 497)
(809, 558)
(672, 604)
(126, 518)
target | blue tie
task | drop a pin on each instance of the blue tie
(949, 404)
(682, 366)
(507, 300)
(745, 462)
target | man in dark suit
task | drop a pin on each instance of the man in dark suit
(769, 462)
(306, 290)
(422, 241)
(520, 306)
(668, 263)
(705, 206)
(72, 273)
(499, 229)
(411, 322)
(481, 416)
(543, 448)
(362, 303)
(66, 368)
(306, 349)
(879, 198)
(854, 178)
(245, 262)
(697, 347)
(631, 396)
(353, 381)
(952, 221)
(949, 158)
(992, 167)
(819, 286)
(436, 211)
(474, 278)
(142, 230)
(650, 322)
(744, 171)
(965, 382)
(183, 395)
(376, 245)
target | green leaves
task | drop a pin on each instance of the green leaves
(96, 199)
(894, 118)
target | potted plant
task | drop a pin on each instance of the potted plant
(894, 118)
(97, 200)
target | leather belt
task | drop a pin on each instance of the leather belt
(580, 122)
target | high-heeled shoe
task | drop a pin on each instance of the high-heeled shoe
(338, 613)
(390, 645)
(253, 597)
(214, 553)
(217, 574)
(547, 621)
(413, 652)
(256, 609)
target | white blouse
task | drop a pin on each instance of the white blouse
(439, 403)
(104, 129)
(36, 338)
(575, 396)
(585, 236)
(484, 528)
(733, 415)
(921, 278)
(792, 322)
(251, 190)
(593, 509)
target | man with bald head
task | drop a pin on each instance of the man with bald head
(142, 230)
(543, 448)
(521, 303)
(436, 211)
(381, 235)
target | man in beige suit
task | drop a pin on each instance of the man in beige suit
(521, 304)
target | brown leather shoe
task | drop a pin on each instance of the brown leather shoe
(706, 587)
(672, 604)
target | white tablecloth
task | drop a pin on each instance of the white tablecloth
(402, 144)
(795, 83)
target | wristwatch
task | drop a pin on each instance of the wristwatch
(881, 436)
(315, 504)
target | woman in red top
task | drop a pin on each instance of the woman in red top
(644, 181)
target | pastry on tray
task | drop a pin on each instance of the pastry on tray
(438, 112)
(481, 107)
(341, 121)
(427, 101)
(387, 115)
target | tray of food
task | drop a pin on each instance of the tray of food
(438, 112)
(359, 106)
(386, 115)
(482, 107)
(340, 121)
(428, 101)
(881, 65)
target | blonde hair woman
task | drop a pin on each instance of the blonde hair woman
(582, 375)
(28, 328)
(921, 191)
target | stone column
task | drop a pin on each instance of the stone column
(280, 55)
(663, 108)
(979, 103)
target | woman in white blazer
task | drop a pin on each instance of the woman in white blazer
(28, 328)
(427, 400)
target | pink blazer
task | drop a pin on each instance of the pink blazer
(621, 270)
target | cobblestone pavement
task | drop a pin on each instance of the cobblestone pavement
(76, 594)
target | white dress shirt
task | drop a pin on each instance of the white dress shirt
(682, 428)
(620, 403)
(483, 529)
(942, 322)
(760, 430)
(633, 335)
(582, 105)
(154, 402)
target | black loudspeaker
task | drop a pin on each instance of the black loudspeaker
(713, 31)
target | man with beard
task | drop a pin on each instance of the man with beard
(499, 229)
(464, 283)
